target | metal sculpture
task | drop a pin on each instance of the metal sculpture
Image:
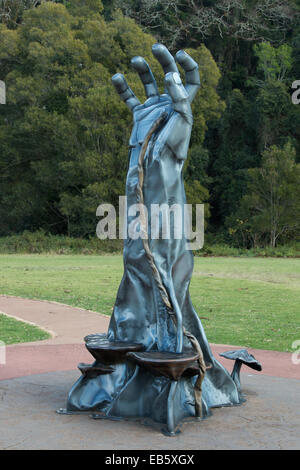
(241, 356)
(155, 361)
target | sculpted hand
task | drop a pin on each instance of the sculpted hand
(176, 101)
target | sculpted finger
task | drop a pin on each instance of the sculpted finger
(191, 69)
(175, 87)
(179, 95)
(124, 91)
(165, 58)
(146, 75)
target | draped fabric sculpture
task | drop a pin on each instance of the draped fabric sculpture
(149, 363)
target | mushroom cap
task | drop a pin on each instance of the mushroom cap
(244, 356)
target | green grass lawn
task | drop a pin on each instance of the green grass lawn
(253, 302)
(14, 331)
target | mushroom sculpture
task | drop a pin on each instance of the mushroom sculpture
(241, 356)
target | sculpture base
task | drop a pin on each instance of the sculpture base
(149, 422)
(65, 411)
(153, 387)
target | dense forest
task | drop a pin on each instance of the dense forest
(64, 132)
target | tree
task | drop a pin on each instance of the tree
(255, 81)
(177, 21)
(64, 134)
(273, 62)
(233, 149)
(270, 210)
(273, 101)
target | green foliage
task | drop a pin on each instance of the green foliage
(273, 62)
(270, 210)
(12, 11)
(232, 152)
(289, 250)
(253, 302)
(64, 131)
(255, 119)
(206, 106)
(256, 46)
(15, 331)
(186, 21)
(40, 242)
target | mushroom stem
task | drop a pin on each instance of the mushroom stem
(235, 374)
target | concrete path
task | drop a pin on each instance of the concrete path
(270, 419)
(68, 325)
(37, 376)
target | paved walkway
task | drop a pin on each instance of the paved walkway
(269, 419)
(68, 325)
(37, 377)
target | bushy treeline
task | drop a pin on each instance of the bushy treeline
(40, 242)
(64, 132)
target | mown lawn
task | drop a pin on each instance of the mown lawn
(14, 331)
(253, 302)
